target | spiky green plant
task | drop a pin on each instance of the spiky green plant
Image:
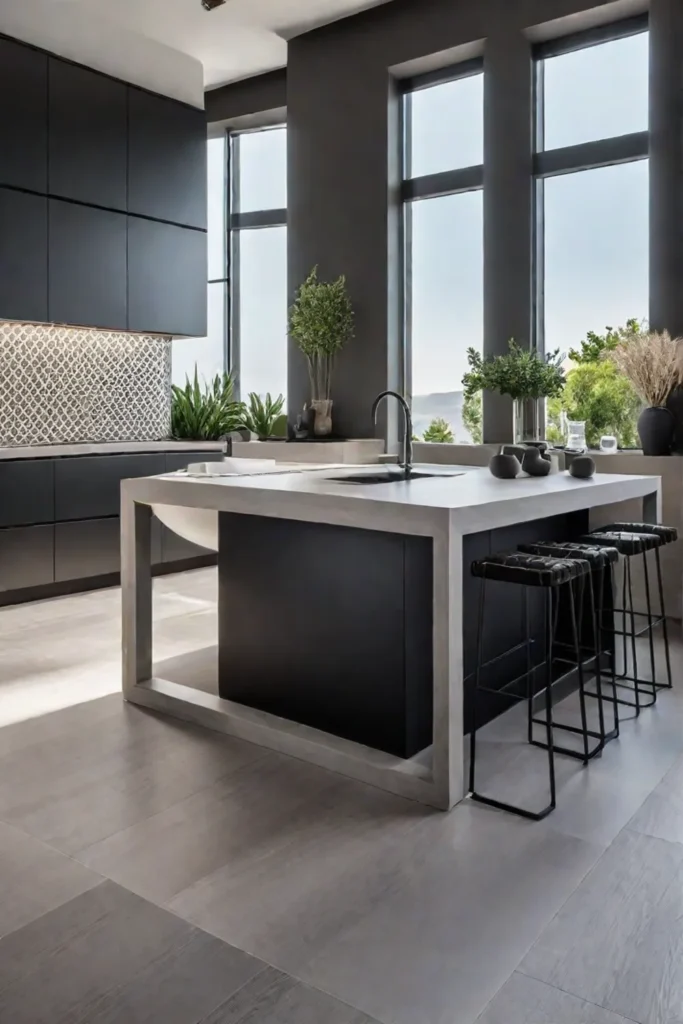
(321, 323)
(262, 414)
(439, 431)
(206, 412)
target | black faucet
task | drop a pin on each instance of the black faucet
(407, 464)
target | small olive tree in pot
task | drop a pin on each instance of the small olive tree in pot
(321, 323)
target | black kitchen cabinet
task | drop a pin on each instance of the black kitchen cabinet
(27, 492)
(88, 145)
(23, 255)
(167, 290)
(90, 487)
(86, 549)
(87, 266)
(26, 557)
(166, 159)
(23, 116)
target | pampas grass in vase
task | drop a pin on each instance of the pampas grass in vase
(652, 362)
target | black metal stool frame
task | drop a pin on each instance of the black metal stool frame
(530, 674)
(557, 550)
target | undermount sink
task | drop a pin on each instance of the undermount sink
(388, 477)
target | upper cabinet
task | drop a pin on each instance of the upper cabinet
(23, 256)
(87, 266)
(88, 144)
(166, 160)
(23, 116)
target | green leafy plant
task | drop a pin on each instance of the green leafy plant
(321, 323)
(261, 415)
(205, 412)
(439, 432)
(520, 373)
(472, 417)
(596, 392)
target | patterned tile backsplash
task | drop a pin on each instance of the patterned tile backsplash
(61, 385)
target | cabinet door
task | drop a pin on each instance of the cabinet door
(90, 548)
(87, 136)
(87, 266)
(27, 492)
(88, 488)
(167, 289)
(23, 255)
(166, 159)
(26, 557)
(23, 116)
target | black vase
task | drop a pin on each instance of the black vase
(656, 429)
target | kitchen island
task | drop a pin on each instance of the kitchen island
(345, 607)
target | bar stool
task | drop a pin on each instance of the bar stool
(601, 560)
(549, 574)
(664, 535)
(629, 545)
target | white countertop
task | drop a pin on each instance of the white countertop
(470, 502)
(54, 451)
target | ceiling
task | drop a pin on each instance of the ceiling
(174, 46)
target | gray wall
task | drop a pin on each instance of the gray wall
(343, 145)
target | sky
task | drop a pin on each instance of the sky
(596, 226)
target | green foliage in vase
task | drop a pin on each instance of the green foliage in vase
(321, 323)
(472, 417)
(261, 415)
(206, 412)
(439, 432)
(520, 373)
(597, 392)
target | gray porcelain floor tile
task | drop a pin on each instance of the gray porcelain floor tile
(662, 813)
(524, 1000)
(35, 879)
(452, 934)
(618, 940)
(108, 955)
(274, 998)
(72, 792)
(353, 847)
(180, 987)
(236, 821)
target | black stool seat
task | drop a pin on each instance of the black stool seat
(625, 542)
(530, 570)
(665, 534)
(598, 557)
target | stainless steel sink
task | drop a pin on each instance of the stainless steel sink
(389, 476)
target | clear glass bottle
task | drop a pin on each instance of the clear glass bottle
(576, 435)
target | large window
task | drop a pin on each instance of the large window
(592, 182)
(592, 208)
(258, 260)
(444, 248)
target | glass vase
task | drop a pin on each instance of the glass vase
(528, 419)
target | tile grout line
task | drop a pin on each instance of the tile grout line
(574, 995)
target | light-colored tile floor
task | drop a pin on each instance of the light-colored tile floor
(397, 912)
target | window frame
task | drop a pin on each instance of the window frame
(583, 156)
(236, 223)
(426, 187)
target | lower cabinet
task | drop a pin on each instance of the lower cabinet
(91, 547)
(26, 557)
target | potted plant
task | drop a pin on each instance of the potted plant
(321, 323)
(261, 416)
(650, 360)
(205, 413)
(524, 375)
